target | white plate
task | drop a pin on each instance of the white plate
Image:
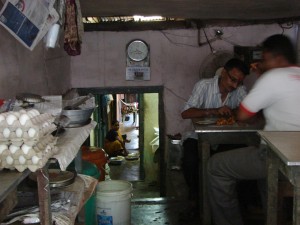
(133, 156)
(207, 121)
(118, 158)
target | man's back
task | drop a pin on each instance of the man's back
(278, 92)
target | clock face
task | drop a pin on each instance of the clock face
(137, 50)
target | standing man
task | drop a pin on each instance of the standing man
(277, 93)
(217, 96)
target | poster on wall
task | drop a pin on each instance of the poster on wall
(28, 20)
(138, 73)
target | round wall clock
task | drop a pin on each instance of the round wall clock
(137, 50)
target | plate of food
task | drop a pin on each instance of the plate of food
(225, 121)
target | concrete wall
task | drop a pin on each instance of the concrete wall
(175, 59)
(41, 71)
(151, 120)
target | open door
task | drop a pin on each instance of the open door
(142, 123)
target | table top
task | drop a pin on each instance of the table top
(207, 125)
(285, 144)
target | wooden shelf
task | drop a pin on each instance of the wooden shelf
(68, 146)
(10, 179)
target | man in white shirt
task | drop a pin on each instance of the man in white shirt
(276, 92)
(216, 96)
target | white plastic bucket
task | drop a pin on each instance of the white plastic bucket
(113, 199)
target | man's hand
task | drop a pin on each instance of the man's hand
(224, 111)
(257, 68)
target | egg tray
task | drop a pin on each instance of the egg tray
(33, 129)
(36, 162)
(22, 116)
(37, 145)
(27, 155)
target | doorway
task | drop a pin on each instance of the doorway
(140, 123)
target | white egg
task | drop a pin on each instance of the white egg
(25, 148)
(17, 114)
(30, 114)
(13, 149)
(22, 160)
(35, 159)
(40, 146)
(17, 143)
(31, 132)
(23, 119)
(30, 143)
(35, 112)
(2, 148)
(45, 124)
(6, 132)
(10, 119)
(48, 148)
(22, 111)
(2, 117)
(19, 132)
(9, 160)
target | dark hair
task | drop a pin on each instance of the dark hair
(113, 122)
(279, 44)
(238, 64)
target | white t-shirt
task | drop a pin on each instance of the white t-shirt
(277, 92)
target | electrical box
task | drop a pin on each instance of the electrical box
(248, 54)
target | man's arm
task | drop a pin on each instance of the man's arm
(244, 114)
(196, 113)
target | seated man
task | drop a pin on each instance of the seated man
(216, 96)
(114, 143)
(276, 92)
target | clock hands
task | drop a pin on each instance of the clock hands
(136, 52)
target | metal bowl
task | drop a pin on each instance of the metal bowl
(78, 117)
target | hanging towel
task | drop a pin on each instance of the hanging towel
(72, 40)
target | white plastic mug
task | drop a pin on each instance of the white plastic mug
(52, 36)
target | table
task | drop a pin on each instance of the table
(283, 156)
(211, 135)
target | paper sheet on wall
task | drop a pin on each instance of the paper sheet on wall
(28, 20)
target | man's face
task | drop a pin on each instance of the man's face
(232, 79)
(269, 61)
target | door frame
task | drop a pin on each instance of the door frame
(161, 119)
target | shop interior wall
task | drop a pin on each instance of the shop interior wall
(41, 71)
(175, 61)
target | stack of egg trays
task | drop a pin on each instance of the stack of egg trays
(26, 140)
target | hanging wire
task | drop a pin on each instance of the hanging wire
(211, 48)
(288, 26)
(177, 43)
(175, 94)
